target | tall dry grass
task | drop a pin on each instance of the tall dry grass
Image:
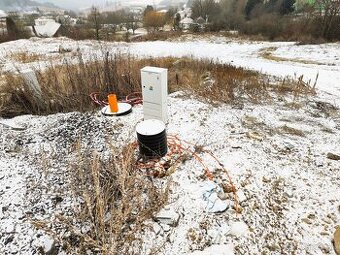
(67, 87)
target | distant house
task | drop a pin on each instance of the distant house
(200, 21)
(3, 26)
(185, 12)
(50, 29)
(3, 14)
(186, 23)
(42, 21)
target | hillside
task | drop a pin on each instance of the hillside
(22, 5)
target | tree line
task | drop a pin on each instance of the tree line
(272, 18)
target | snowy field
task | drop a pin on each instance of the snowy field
(325, 59)
(279, 157)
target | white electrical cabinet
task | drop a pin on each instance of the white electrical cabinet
(155, 93)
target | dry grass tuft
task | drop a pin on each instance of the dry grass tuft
(25, 57)
(268, 53)
(296, 87)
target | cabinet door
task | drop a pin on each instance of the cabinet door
(151, 86)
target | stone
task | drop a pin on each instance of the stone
(333, 156)
(241, 196)
(215, 204)
(156, 228)
(49, 246)
(221, 195)
(11, 124)
(9, 239)
(85, 229)
(238, 229)
(168, 216)
(289, 145)
(265, 179)
(215, 235)
(45, 244)
(166, 228)
(9, 227)
(337, 240)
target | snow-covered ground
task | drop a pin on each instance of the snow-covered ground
(287, 186)
(237, 52)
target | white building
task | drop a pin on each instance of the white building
(50, 29)
(186, 23)
(43, 21)
(3, 14)
(3, 26)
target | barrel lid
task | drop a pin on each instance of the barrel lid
(150, 127)
(123, 109)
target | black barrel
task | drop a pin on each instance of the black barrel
(151, 135)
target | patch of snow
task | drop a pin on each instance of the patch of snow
(240, 53)
(226, 249)
(238, 228)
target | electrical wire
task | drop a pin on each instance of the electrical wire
(133, 99)
(177, 150)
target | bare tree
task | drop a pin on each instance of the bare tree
(233, 13)
(329, 10)
(132, 22)
(95, 19)
(154, 20)
(205, 9)
(177, 20)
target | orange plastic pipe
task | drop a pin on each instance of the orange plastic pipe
(113, 103)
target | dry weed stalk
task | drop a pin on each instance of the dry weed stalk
(297, 87)
(25, 57)
(115, 201)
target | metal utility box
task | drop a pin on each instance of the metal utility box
(155, 93)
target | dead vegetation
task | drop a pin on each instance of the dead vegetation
(67, 87)
(291, 131)
(268, 53)
(157, 36)
(25, 57)
(111, 200)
